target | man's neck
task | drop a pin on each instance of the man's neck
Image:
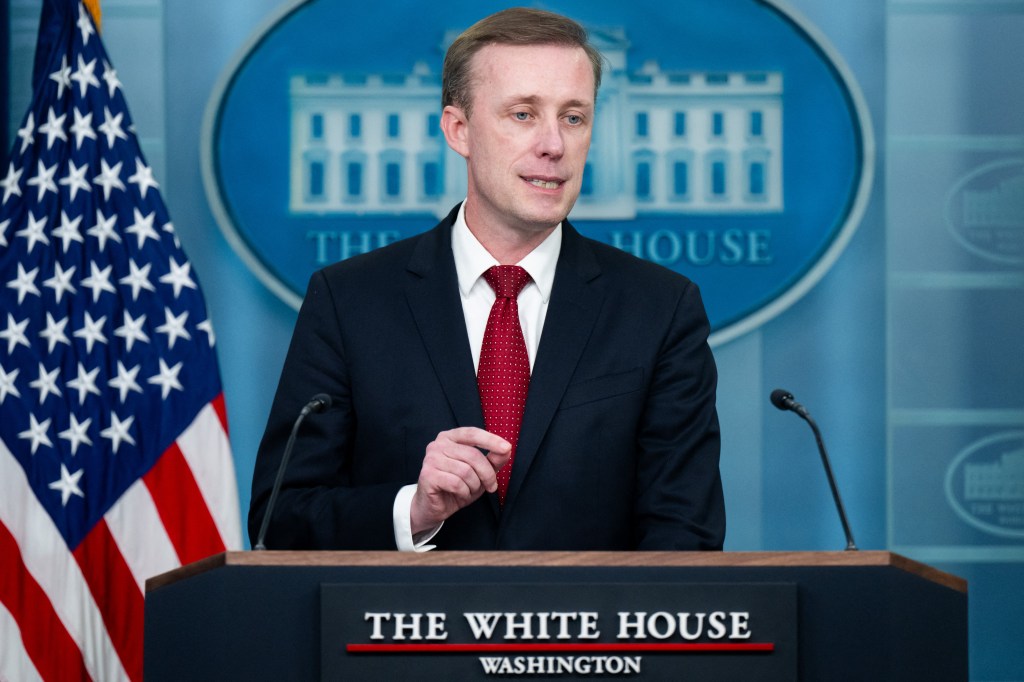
(508, 245)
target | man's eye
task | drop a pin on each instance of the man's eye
(574, 119)
(521, 116)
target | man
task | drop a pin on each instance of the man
(428, 443)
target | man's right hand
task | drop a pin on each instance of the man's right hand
(455, 473)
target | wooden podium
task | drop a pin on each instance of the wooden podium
(868, 615)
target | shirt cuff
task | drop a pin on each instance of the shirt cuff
(402, 519)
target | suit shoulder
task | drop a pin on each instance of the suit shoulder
(634, 271)
(378, 261)
(419, 250)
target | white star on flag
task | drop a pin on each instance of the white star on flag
(82, 129)
(118, 432)
(33, 232)
(54, 332)
(61, 281)
(143, 178)
(8, 387)
(36, 433)
(76, 434)
(43, 180)
(85, 383)
(167, 379)
(25, 283)
(91, 331)
(75, 180)
(53, 128)
(84, 76)
(46, 383)
(67, 231)
(138, 279)
(10, 183)
(125, 382)
(67, 484)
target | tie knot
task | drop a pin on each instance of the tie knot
(507, 280)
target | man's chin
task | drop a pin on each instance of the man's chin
(544, 217)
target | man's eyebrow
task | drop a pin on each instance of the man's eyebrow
(579, 103)
(534, 99)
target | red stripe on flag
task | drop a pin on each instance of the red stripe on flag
(222, 411)
(53, 652)
(116, 593)
(182, 508)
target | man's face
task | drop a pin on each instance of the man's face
(527, 139)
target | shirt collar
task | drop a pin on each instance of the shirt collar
(472, 260)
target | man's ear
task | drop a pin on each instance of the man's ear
(454, 125)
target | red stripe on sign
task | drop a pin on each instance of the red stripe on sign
(221, 409)
(182, 508)
(49, 646)
(650, 647)
(116, 593)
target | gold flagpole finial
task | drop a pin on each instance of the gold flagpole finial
(94, 9)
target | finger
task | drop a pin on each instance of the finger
(460, 460)
(479, 472)
(498, 460)
(478, 438)
(450, 483)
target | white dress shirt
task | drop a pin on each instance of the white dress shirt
(472, 260)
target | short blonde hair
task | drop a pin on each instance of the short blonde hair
(513, 26)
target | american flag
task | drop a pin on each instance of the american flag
(114, 458)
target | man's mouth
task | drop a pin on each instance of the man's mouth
(544, 184)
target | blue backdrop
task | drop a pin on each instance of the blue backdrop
(907, 351)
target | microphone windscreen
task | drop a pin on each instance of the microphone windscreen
(782, 399)
(320, 402)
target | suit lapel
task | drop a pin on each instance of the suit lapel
(433, 295)
(575, 303)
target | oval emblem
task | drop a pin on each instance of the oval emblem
(985, 211)
(731, 143)
(985, 484)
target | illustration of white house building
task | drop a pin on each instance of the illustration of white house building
(663, 142)
(999, 207)
(999, 480)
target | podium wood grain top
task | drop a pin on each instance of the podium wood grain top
(285, 559)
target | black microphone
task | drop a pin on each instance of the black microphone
(318, 403)
(784, 401)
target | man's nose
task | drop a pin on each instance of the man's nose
(550, 139)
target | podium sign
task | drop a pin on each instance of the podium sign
(650, 631)
(561, 615)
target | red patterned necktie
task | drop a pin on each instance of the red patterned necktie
(504, 372)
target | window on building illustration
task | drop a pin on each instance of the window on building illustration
(316, 180)
(392, 180)
(643, 180)
(756, 124)
(718, 179)
(641, 124)
(432, 179)
(756, 178)
(680, 123)
(394, 126)
(717, 123)
(587, 188)
(354, 179)
(433, 125)
(355, 125)
(316, 127)
(680, 178)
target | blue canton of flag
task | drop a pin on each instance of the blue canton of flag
(114, 458)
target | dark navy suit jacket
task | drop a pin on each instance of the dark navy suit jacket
(619, 445)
